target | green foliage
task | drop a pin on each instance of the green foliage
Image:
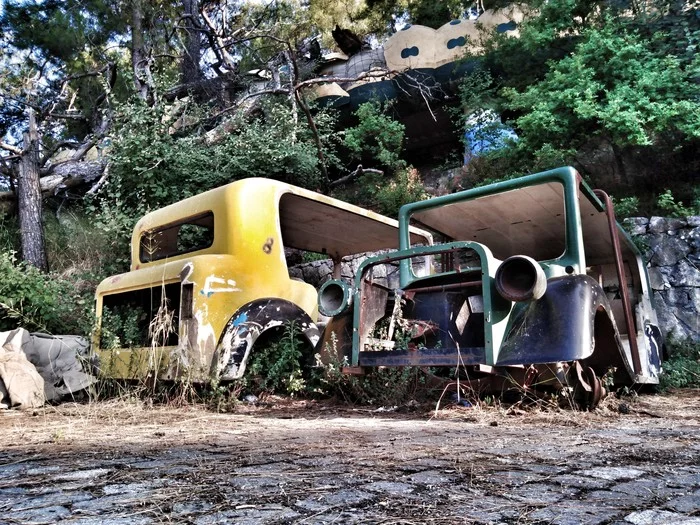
(380, 15)
(9, 234)
(377, 137)
(585, 77)
(378, 386)
(278, 365)
(47, 42)
(76, 248)
(625, 207)
(121, 327)
(60, 302)
(612, 85)
(404, 188)
(386, 194)
(682, 369)
(377, 140)
(435, 14)
(152, 166)
(308, 257)
(39, 301)
(61, 30)
(667, 203)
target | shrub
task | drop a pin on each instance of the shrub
(383, 193)
(378, 386)
(667, 203)
(277, 364)
(404, 188)
(377, 136)
(682, 369)
(39, 301)
(625, 207)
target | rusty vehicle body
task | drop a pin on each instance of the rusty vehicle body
(531, 282)
(209, 277)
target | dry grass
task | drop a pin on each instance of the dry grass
(131, 422)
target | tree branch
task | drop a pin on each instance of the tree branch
(357, 173)
(10, 148)
(337, 80)
(96, 187)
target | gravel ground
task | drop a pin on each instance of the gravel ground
(123, 462)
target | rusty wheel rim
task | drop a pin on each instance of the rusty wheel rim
(597, 391)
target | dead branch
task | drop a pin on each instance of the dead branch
(376, 73)
(96, 187)
(69, 174)
(10, 148)
(426, 92)
(353, 175)
(67, 116)
(220, 48)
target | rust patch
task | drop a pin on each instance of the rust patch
(267, 247)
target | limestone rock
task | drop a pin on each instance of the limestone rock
(667, 250)
(664, 225)
(636, 225)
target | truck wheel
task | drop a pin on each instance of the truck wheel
(588, 388)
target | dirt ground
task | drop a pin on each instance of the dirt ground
(122, 462)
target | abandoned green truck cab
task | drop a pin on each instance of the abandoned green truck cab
(209, 276)
(530, 281)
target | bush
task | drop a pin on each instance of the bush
(277, 365)
(625, 207)
(682, 369)
(667, 203)
(40, 302)
(376, 137)
(385, 386)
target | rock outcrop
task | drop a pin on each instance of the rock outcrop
(672, 249)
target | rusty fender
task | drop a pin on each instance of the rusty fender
(247, 324)
(557, 327)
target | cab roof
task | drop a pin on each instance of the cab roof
(520, 216)
(308, 220)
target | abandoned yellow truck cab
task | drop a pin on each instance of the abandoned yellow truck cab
(209, 276)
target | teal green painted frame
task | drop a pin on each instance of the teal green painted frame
(496, 309)
(501, 315)
(573, 184)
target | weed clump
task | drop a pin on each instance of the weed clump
(682, 369)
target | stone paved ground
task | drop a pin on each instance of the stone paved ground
(124, 463)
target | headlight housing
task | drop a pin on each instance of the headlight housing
(520, 278)
(334, 298)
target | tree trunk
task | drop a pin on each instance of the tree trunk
(189, 69)
(621, 171)
(29, 201)
(139, 60)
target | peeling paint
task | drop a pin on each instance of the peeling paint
(186, 273)
(314, 338)
(245, 328)
(212, 286)
(267, 247)
(205, 336)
